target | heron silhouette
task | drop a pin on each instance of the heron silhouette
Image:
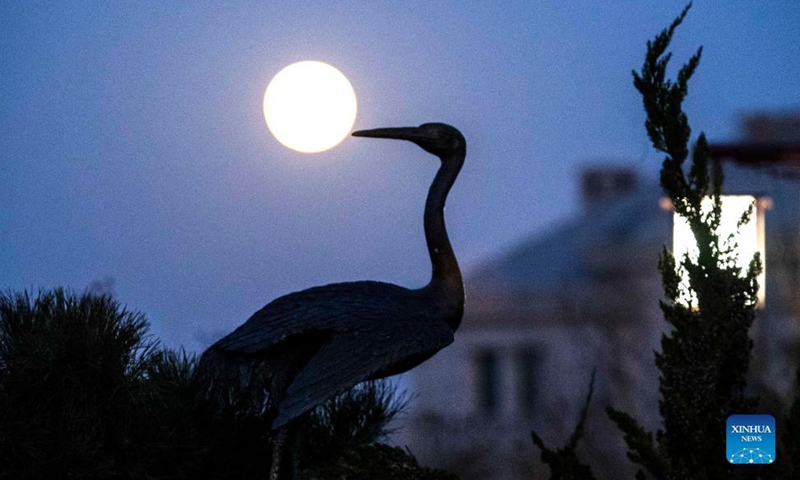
(308, 346)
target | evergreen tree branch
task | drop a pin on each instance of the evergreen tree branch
(704, 358)
(642, 449)
(563, 462)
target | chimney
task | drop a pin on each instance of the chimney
(772, 127)
(603, 185)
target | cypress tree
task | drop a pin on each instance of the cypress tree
(704, 357)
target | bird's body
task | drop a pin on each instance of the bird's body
(311, 345)
(337, 336)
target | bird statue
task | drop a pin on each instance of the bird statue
(308, 346)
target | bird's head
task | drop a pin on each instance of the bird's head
(437, 138)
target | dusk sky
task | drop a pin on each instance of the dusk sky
(133, 144)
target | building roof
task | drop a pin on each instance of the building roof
(556, 278)
(575, 250)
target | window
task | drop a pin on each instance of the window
(527, 375)
(488, 381)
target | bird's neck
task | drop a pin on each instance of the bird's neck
(446, 279)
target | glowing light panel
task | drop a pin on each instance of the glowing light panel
(750, 238)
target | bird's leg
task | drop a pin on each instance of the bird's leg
(279, 438)
(298, 426)
(286, 452)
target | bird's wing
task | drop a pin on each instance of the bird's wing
(339, 307)
(268, 349)
(349, 359)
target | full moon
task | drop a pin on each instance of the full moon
(310, 106)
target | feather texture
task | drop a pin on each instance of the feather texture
(310, 345)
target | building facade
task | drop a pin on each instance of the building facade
(584, 297)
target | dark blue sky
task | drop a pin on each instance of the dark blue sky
(133, 146)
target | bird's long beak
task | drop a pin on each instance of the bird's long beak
(401, 133)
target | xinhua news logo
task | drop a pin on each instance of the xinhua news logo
(750, 439)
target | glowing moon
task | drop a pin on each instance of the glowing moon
(310, 106)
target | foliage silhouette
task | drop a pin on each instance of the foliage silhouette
(380, 461)
(349, 421)
(86, 392)
(78, 394)
(564, 463)
(705, 357)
